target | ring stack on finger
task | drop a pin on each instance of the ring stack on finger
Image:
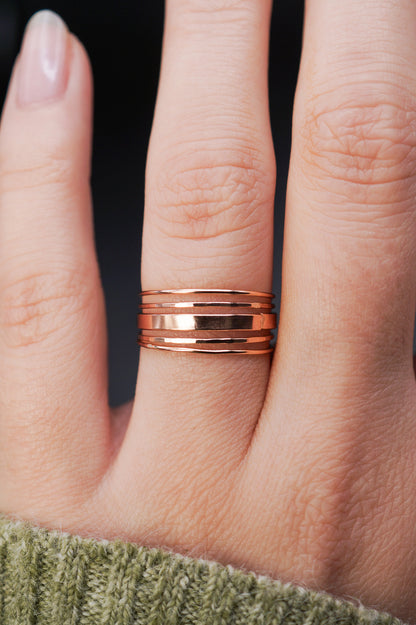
(207, 321)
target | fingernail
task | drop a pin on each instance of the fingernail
(43, 64)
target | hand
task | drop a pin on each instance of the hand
(303, 467)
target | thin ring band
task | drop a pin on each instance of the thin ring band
(205, 291)
(195, 341)
(249, 305)
(253, 352)
(207, 321)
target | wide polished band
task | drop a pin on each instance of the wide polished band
(207, 321)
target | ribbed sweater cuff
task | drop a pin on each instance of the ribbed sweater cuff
(50, 578)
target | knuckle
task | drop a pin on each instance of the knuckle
(39, 305)
(335, 500)
(28, 174)
(211, 198)
(320, 490)
(366, 144)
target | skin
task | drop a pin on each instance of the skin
(301, 466)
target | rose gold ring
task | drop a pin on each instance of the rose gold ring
(207, 321)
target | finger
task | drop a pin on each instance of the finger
(53, 397)
(342, 384)
(349, 260)
(342, 388)
(208, 220)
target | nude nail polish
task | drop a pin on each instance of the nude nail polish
(43, 62)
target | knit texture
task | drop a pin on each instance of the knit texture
(54, 578)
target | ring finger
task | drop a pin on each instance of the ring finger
(208, 224)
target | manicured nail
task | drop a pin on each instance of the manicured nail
(43, 64)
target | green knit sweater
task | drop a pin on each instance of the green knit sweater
(54, 578)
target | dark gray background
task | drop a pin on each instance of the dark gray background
(123, 40)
